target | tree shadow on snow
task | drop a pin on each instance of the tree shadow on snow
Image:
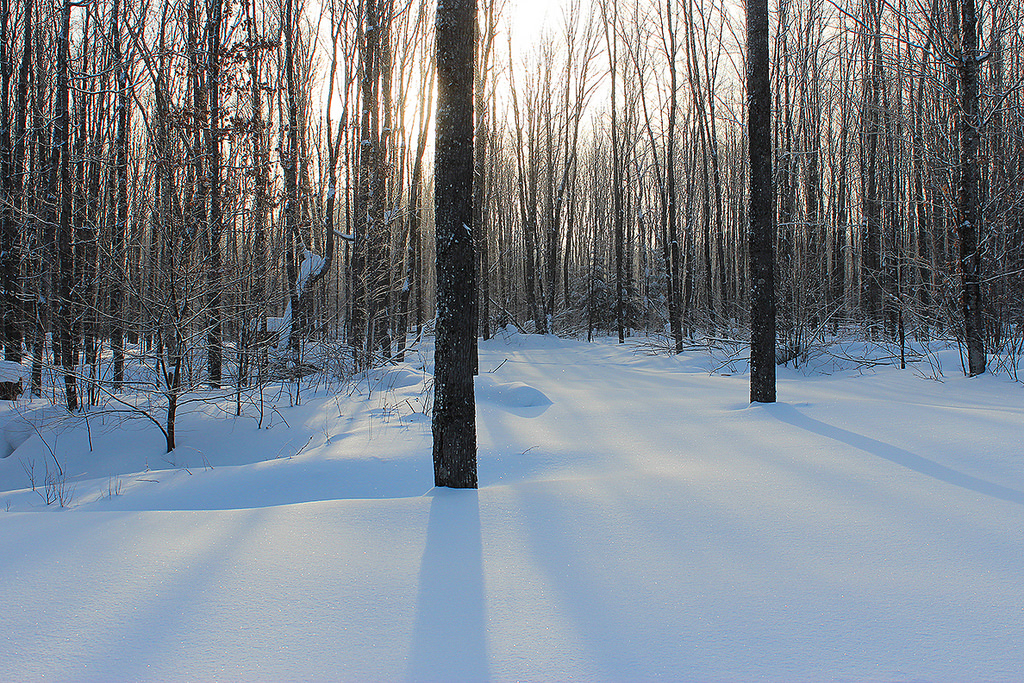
(449, 640)
(899, 456)
(273, 483)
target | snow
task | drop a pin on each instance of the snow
(281, 325)
(12, 372)
(310, 267)
(637, 519)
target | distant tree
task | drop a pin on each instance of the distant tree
(485, 46)
(611, 41)
(214, 214)
(303, 268)
(528, 153)
(12, 178)
(760, 234)
(61, 192)
(120, 229)
(454, 415)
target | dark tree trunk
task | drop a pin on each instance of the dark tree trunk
(481, 314)
(215, 332)
(454, 415)
(618, 219)
(300, 289)
(65, 254)
(377, 107)
(411, 287)
(760, 230)
(260, 200)
(116, 305)
(8, 231)
(89, 156)
(13, 178)
(872, 247)
(370, 266)
(969, 196)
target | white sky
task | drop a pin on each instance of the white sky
(528, 19)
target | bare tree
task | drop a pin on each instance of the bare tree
(760, 234)
(969, 220)
(12, 175)
(454, 414)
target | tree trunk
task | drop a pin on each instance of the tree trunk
(454, 414)
(760, 234)
(65, 254)
(872, 259)
(13, 202)
(618, 219)
(214, 275)
(968, 197)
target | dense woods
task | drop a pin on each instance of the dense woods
(196, 190)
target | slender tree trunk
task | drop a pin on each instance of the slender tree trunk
(290, 162)
(8, 229)
(14, 201)
(65, 253)
(672, 226)
(215, 227)
(120, 231)
(411, 287)
(481, 313)
(618, 219)
(260, 199)
(872, 257)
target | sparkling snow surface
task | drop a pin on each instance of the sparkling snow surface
(636, 520)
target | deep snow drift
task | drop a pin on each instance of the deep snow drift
(637, 519)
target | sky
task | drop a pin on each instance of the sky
(529, 18)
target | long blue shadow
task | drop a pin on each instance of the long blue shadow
(449, 637)
(912, 461)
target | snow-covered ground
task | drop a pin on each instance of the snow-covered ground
(636, 519)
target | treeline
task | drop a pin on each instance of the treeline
(212, 184)
(884, 116)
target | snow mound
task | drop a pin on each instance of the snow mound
(11, 371)
(399, 378)
(509, 394)
(22, 422)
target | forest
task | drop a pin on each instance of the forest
(210, 187)
(235, 244)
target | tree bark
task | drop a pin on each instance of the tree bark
(968, 196)
(14, 182)
(454, 414)
(760, 234)
(214, 275)
(65, 254)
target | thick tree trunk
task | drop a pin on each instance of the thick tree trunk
(760, 234)
(454, 414)
(969, 196)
